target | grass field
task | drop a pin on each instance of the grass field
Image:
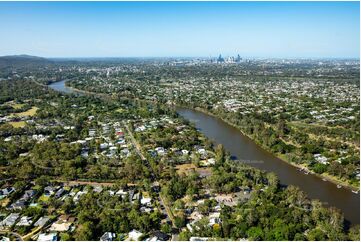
(14, 105)
(186, 169)
(30, 112)
(18, 124)
(43, 198)
(17, 105)
(4, 202)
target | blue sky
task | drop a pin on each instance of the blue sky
(135, 29)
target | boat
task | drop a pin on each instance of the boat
(339, 186)
(355, 191)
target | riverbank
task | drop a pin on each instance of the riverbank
(75, 90)
(302, 167)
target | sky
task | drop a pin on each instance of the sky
(181, 29)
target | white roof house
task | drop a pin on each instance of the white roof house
(121, 193)
(108, 236)
(48, 237)
(6, 191)
(25, 221)
(214, 218)
(185, 152)
(134, 235)
(10, 220)
(42, 221)
(146, 201)
(321, 159)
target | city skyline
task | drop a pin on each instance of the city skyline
(181, 29)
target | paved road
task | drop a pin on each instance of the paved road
(135, 143)
(138, 150)
(167, 210)
(29, 235)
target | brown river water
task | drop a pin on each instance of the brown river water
(248, 151)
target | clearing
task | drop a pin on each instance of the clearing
(30, 112)
(18, 124)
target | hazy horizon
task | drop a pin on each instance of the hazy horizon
(183, 57)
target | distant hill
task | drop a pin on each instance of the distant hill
(22, 60)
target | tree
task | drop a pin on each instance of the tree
(255, 233)
(65, 237)
(155, 218)
(282, 127)
(166, 228)
(68, 205)
(179, 221)
(280, 230)
(184, 235)
(85, 231)
(220, 154)
(178, 204)
(42, 181)
(354, 233)
(319, 168)
(272, 179)
(316, 234)
(299, 237)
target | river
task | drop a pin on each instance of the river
(245, 149)
(60, 86)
